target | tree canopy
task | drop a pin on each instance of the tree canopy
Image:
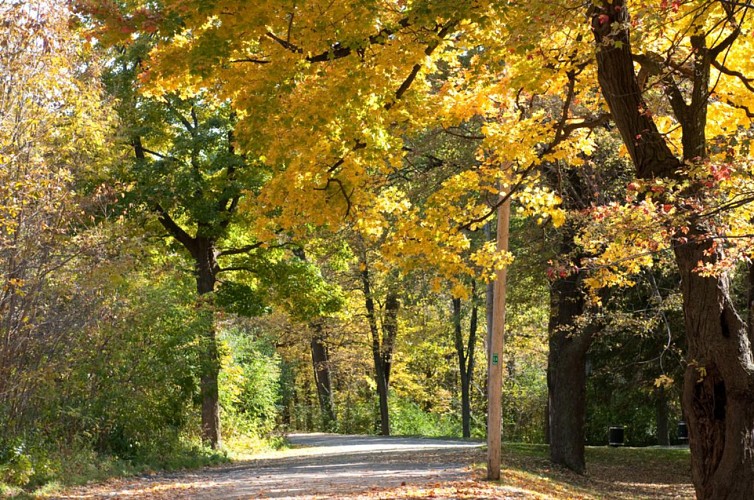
(330, 172)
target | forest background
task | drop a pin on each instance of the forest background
(222, 221)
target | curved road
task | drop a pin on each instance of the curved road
(318, 466)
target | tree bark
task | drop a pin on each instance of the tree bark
(750, 302)
(203, 252)
(206, 270)
(465, 358)
(662, 417)
(718, 394)
(566, 373)
(321, 366)
(383, 342)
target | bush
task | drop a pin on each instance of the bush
(408, 419)
(524, 401)
(249, 383)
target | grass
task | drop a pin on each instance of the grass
(80, 467)
(614, 473)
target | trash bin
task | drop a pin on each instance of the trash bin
(615, 436)
(683, 432)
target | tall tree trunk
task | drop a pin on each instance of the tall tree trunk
(206, 269)
(470, 362)
(382, 394)
(566, 372)
(383, 342)
(321, 366)
(662, 416)
(750, 304)
(718, 394)
(465, 358)
(203, 251)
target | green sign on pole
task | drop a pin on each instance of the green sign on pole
(494, 359)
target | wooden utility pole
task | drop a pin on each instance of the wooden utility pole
(495, 354)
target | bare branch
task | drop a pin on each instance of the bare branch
(341, 186)
(160, 155)
(749, 112)
(417, 67)
(174, 229)
(236, 268)
(250, 60)
(179, 115)
(240, 250)
(747, 82)
(473, 137)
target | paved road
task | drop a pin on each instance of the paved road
(318, 466)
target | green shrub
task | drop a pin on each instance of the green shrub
(249, 383)
(409, 419)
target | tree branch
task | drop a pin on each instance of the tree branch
(236, 268)
(160, 155)
(473, 137)
(240, 250)
(749, 112)
(566, 131)
(342, 188)
(417, 67)
(175, 230)
(179, 115)
(747, 82)
(250, 60)
(337, 50)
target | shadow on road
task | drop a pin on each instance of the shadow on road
(319, 466)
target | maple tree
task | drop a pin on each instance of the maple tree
(718, 377)
(186, 171)
(348, 83)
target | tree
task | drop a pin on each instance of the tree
(574, 318)
(305, 295)
(300, 56)
(53, 129)
(465, 352)
(719, 378)
(382, 318)
(185, 170)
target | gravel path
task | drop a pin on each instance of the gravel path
(318, 466)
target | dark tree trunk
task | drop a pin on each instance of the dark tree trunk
(470, 362)
(203, 251)
(206, 270)
(662, 416)
(321, 365)
(718, 394)
(750, 304)
(385, 355)
(382, 344)
(566, 373)
(547, 422)
(465, 359)
(382, 394)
